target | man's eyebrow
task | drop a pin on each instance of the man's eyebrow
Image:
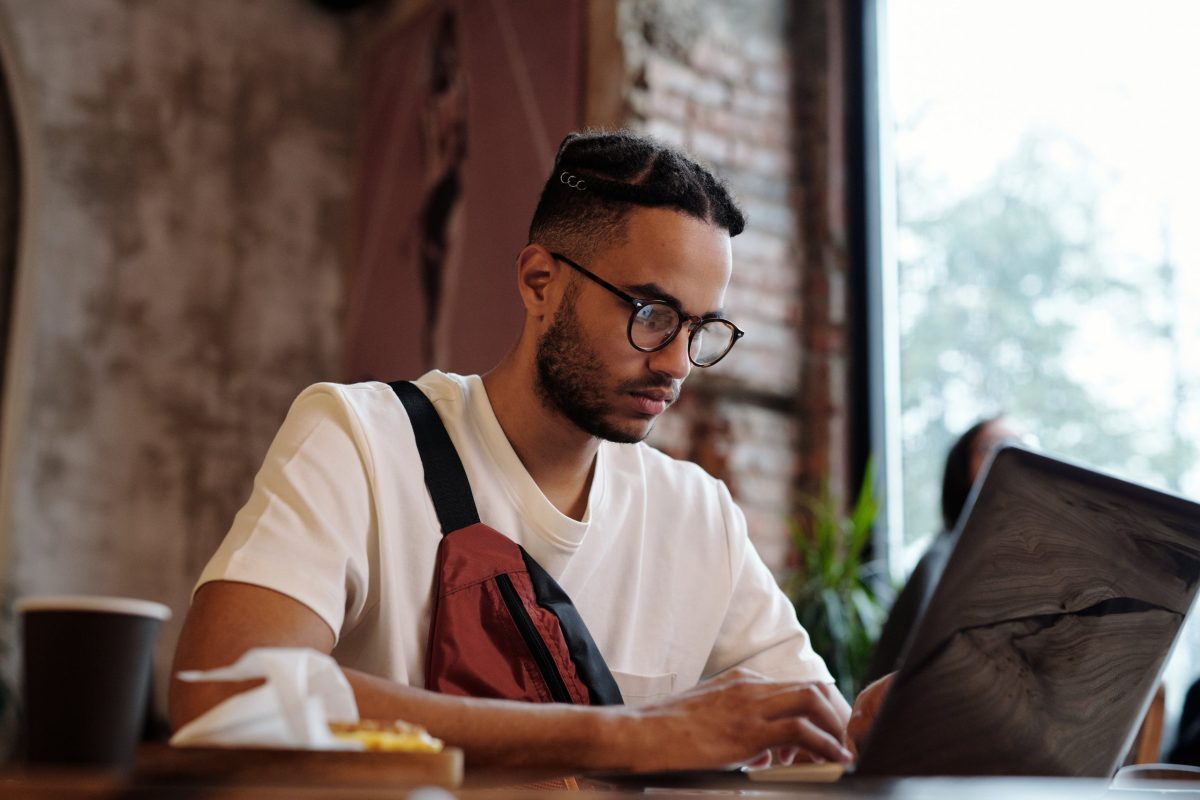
(652, 291)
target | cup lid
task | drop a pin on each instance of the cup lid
(110, 605)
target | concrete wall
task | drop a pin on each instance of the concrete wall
(191, 165)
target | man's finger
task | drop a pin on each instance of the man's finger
(808, 701)
(784, 756)
(760, 761)
(801, 733)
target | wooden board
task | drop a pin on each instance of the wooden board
(203, 765)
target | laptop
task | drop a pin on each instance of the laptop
(1041, 647)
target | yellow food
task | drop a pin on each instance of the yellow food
(391, 736)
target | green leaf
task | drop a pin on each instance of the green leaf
(830, 590)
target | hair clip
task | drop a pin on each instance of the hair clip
(571, 180)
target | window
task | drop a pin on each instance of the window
(1043, 256)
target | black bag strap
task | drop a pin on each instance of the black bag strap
(444, 473)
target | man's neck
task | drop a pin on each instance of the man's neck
(558, 456)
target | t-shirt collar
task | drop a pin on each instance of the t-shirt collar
(543, 517)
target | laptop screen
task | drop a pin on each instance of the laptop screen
(1043, 642)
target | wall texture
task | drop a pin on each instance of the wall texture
(753, 88)
(191, 233)
(193, 189)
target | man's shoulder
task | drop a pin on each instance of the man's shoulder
(367, 399)
(346, 403)
(448, 388)
(332, 391)
(369, 415)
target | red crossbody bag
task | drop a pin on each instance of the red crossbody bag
(500, 626)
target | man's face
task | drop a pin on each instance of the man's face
(587, 369)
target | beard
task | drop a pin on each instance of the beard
(572, 380)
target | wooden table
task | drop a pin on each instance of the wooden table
(499, 785)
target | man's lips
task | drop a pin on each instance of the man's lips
(652, 401)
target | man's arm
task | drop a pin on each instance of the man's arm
(724, 721)
(227, 619)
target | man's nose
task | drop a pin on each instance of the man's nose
(673, 359)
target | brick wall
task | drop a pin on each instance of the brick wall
(752, 88)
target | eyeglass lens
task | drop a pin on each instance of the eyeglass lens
(655, 323)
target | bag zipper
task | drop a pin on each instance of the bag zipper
(541, 653)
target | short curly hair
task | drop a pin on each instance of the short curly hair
(620, 170)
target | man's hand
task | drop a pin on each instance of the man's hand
(732, 719)
(741, 717)
(866, 709)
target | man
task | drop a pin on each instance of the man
(622, 281)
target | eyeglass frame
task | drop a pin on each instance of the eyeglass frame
(693, 322)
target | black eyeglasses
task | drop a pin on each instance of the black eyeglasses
(654, 324)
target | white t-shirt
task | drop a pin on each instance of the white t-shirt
(660, 568)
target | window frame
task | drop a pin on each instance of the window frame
(877, 350)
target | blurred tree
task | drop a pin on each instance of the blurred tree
(994, 287)
(1178, 454)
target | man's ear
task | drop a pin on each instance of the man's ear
(537, 272)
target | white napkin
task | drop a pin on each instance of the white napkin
(305, 690)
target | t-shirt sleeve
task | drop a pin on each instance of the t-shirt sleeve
(305, 529)
(760, 631)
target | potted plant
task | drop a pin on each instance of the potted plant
(833, 589)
